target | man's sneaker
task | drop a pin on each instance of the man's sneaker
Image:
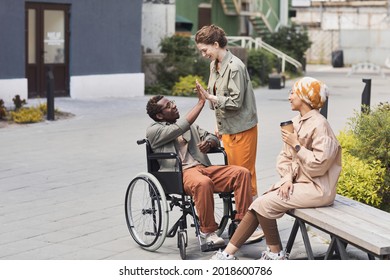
(268, 255)
(256, 236)
(219, 255)
(212, 238)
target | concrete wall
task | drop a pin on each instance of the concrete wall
(106, 59)
(105, 44)
(365, 46)
(158, 22)
(357, 46)
(361, 32)
(12, 50)
(105, 36)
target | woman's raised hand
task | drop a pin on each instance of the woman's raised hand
(201, 90)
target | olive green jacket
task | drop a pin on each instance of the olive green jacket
(235, 109)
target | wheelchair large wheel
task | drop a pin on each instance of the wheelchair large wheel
(146, 211)
(221, 213)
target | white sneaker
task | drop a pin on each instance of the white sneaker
(256, 236)
(219, 255)
(212, 237)
(268, 255)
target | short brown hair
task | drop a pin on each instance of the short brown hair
(152, 108)
(210, 34)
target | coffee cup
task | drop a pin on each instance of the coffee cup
(287, 125)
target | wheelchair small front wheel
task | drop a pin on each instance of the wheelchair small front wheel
(146, 211)
(182, 243)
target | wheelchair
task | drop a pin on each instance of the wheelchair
(152, 195)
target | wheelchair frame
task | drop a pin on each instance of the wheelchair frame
(147, 208)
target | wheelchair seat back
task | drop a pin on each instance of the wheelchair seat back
(171, 181)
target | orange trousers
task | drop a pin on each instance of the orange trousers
(241, 149)
(202, 182)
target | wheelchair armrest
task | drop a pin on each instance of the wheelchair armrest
(162, 156)
(215, 150)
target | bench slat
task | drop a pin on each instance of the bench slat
(364, 210)
(360, 223)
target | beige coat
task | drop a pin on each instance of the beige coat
(314, 170)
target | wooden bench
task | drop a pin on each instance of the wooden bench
(347, 222)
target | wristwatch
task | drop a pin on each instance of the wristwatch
(297, 148)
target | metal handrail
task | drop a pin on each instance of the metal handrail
(256, 43)
(257, 8)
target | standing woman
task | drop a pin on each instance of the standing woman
(231, 95)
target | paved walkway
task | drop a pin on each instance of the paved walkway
(62, 183)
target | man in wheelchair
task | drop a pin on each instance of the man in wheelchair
(201, 179)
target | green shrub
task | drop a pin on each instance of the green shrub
(157, 89)
(372, 131)
(347, 140)
(361, 179)
(27, 115)
(42, 107)
(186, 85)
(181, 59)
(201, 67)
(260, 64)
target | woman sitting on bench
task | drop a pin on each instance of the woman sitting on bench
(309, 166)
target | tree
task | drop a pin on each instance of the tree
(293, 40)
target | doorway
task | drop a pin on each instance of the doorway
(47, 48)
(204, 15)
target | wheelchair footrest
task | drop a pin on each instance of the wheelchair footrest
(207, 247)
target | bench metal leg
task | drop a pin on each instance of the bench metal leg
(338, 247)
(291, 239)
(341, 246)
(306, 240)
(332, 248)
(300, 225)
